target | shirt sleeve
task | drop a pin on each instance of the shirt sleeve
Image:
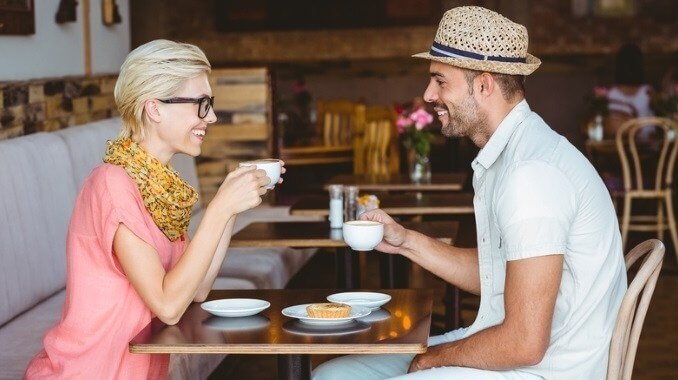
(122, 204)
(535, 207)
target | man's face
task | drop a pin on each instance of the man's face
(454, 101)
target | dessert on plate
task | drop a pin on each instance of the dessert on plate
(328, 310)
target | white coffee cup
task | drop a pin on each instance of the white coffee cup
(362, 235)
(271, 166)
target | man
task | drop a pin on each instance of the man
(549, 265)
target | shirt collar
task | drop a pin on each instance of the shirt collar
(499, 139)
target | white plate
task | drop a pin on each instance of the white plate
(367, 299)
(299, 312)
(235, 307)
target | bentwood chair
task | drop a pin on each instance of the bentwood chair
(337, 120)
(634, 307)
(637, 161)
(374, 145)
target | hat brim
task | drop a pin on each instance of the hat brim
(511, 68)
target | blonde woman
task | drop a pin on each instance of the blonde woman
(128, 256)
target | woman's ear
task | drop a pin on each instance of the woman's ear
(152, 110)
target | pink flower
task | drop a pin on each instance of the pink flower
(402, 123)
(600, 92)
(421, 118)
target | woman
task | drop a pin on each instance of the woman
(630, 96)
(128, 256)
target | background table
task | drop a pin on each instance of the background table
(320, 235)
(401, 182)
(397, 204)
(400, 326)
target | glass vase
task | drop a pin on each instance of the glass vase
(419, 167)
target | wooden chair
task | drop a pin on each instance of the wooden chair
(661, 157)
(632, 312)
(337, 121)
(375, 147)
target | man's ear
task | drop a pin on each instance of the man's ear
(152, 110)
(486, 84)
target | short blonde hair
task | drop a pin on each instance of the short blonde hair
(155, 70)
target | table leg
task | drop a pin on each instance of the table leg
(452, 307)
(393, 271)
(294, 367)
(348, 269)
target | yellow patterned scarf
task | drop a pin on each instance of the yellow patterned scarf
(166, 196)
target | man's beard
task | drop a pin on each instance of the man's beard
(465, 119)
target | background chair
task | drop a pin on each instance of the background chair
(337, 120)
(375, 146)
(637, 160)
(632, 313)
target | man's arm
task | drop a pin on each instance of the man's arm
(459, 266)
(522, 338)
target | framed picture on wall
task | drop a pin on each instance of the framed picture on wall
(613, 8)
(258, 15)
(17, 17)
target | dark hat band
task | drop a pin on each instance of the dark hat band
(439, 50)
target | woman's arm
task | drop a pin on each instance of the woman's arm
(217, 261)
(167, 294)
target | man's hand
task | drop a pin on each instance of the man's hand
(394, 233)
(416, 364)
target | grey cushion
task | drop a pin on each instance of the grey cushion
(37, 194)
(87, 145)
(21, 338)
(232, 283)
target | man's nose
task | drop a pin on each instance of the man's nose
(430, 95)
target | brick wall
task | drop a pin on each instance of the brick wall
(52, 104)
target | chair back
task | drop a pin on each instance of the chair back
(337, 121)
(660, 153)
(375, 146)
(634, 307)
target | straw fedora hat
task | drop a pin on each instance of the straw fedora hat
(480, 39)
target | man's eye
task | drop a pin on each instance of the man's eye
(440, 83)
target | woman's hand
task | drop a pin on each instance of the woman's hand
(241, 190)
(282, 171)
(394, 233)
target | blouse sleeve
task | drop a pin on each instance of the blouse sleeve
(121, 203)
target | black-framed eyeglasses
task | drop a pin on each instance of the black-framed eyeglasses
(204, 104)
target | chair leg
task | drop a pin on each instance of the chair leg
(672, 222)
(626, 220)
(660, 218)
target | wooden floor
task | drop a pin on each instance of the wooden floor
(657, 356)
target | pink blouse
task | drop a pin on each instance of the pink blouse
(102, 311)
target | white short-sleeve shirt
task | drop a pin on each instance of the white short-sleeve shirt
(536, 194)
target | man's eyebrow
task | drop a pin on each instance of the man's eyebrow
(437, 75)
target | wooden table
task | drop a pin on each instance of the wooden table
(401, 182)
(316, 155)
(320, 235)
(400, 326)
(397, 204)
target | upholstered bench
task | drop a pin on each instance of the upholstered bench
(40, 176)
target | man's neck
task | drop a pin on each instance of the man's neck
(495, 115)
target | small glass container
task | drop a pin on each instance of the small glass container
(336, 206)
(350, 202)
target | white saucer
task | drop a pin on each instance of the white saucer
(367, 299)
(299, 312)
(235, 307)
